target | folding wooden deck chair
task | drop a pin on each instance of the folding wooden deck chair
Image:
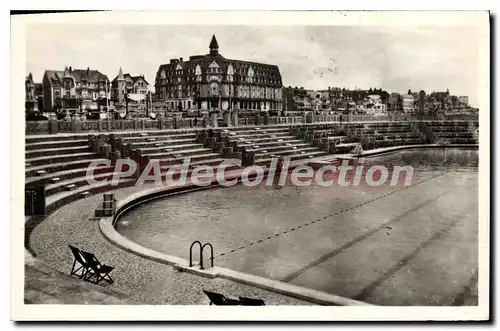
(220, 300)
(251, 302)
(79, 263)
(97, 269)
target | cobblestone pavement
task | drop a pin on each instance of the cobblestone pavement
(44, 285)
(139, 279)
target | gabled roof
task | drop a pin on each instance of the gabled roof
(130, 78)
(92, 76)
(136, 78)
(239, 67)
(214, 59)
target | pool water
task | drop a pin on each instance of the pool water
(414, 245)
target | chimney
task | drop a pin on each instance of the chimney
(180, 59)
(70, 70)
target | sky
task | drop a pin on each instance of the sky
(315, 57)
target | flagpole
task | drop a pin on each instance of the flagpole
(107, 103)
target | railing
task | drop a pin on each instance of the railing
(56, 126)
(202, 247)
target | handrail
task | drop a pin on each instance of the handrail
(191, 254)
(211, 253)
(202, 247)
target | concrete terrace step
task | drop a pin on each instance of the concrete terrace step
(202, 158)
(56, 151)
(75, 182)
(141, 144)
(52, 159)
(277, 147)
(52, 138)
(286, 152)
(261, 131)
(55, 144)
(59, 199)
(260, 135)
(57, 167)
(392, 130)
(155, 133)
(296, 157)
(262, 140)
(252, 128)
(212, 162)
(65, 174)
(149, 139)
(170, 147)
(271, 143)
(183, 152)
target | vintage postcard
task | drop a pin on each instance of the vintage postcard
(320, 166)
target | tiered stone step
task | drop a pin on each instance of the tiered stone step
(267, 143)
(208, 158)
(287, 152)
(65, 174)
(166, 147)
(295, 157)
(197, 150)
(57, 138)
(56, 144)
(143, 141)
(75, 182)
(254, 131)
(64, 158)
(155, 133)
(270, 144)
(453, 132)
(60, 164)
(55, 151)
(278, 146)
(172, 148)
(63, 197)
(261, 140)
(57, 167)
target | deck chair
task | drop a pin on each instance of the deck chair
(79, 263)
(220, 300)
(251, 302)
(97, 269)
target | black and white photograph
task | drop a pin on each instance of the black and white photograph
(178, 161)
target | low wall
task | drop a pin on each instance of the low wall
(76, 125)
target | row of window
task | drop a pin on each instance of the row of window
(215, 70)
(230, 78)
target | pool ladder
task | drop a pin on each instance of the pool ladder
(202, 247)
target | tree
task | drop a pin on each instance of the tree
(409, 91)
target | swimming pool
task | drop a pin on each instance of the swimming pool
(385, 245)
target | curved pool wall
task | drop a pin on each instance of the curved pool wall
(109, 231)
(107, 228)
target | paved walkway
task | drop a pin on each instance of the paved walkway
(44, 285)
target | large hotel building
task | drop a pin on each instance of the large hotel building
(211, 81)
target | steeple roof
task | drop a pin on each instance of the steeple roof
(66, 72)
(120, 74)
(213, 43)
